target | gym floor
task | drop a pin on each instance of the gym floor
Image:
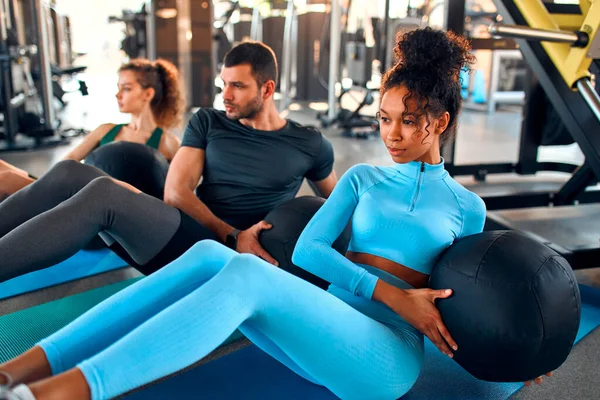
(482, 138)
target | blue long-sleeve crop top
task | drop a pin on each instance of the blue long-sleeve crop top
(407, 213)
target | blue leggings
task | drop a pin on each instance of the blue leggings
(173, 318)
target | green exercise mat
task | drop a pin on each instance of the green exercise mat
(21, 330)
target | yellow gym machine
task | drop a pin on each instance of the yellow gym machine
(570, 40)
(561, 45)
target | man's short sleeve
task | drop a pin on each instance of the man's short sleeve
(323, 164)
(197, 131)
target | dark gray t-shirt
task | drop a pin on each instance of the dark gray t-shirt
(248, 172)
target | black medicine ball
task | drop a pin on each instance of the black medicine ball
(515, 308)
(137, 164)
(288, 221)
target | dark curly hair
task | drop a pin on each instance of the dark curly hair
(168, 104)
(428, 63)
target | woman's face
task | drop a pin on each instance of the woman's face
(132, 97)
(409, 136)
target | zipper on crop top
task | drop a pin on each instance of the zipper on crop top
(419, 182)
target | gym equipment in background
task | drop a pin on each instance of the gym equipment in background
(156, 32)
(312, 54)
(358, 64)
(63, 69)
(134, 44)
(507, 69)
(26, 80)
(561, 55)
(273, 32)
(224, 35)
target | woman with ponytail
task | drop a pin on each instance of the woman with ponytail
(363, 337)
(150, 92)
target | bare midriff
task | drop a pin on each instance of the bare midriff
(416, 279)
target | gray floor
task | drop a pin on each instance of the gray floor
(577, 379)
(482, 138)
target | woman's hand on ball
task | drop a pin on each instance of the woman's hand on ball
(417, 307)
(537, 380)
(248, 242)
(420, 311)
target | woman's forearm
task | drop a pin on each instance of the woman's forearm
(387, 294)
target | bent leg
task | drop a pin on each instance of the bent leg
(119, 314)
(353, 355)
(60, 183)
(142, 224)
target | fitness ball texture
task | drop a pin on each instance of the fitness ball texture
(288, 221)
(515, 307)
(137, 164)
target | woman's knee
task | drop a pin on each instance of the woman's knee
(208, 256)
(99, 195)
(63, 169)
(71, 174)
(63, 175)
(211, 248)
(251, 272)
(101, 187)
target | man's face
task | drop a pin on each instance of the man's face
(242, 97)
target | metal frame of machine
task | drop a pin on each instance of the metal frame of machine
(560, 60)
(13, 102)
(34, 48)
(573, 191)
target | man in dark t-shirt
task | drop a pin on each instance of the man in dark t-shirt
(248, 172)
(248, 157)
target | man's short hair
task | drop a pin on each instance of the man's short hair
(259, 56)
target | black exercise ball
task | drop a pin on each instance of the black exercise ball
(515, 308)
(137, 164)
(289, 220)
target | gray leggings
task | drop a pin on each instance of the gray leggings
(56, 216)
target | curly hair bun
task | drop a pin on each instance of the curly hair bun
(433, 51)
(428, 66)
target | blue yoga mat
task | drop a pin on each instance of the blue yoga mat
(84, 263)
(252, 374)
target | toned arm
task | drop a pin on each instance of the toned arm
(183, 177)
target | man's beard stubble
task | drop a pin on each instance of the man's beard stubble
(248, 112)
